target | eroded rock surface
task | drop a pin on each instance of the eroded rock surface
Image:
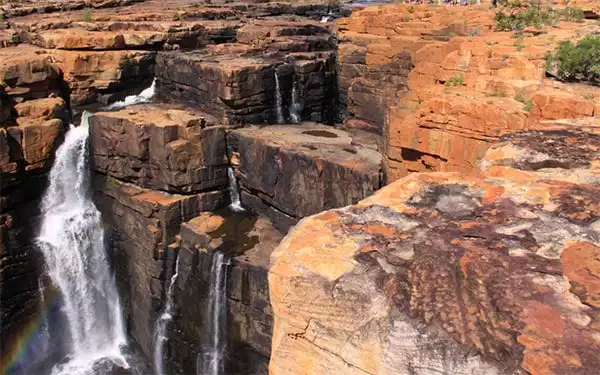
(247, 241)
(291, 171)
(441, 86)
(488, 273)
(160, 147)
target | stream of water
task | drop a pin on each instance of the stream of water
(212, 363)
(278, 100)
(165, 318)
(143, 97)
(296, 107)
(234, 192)
(72, 241)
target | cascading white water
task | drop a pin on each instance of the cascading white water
(236, 204)
(143, 97)
(72, 241)
(278, 100)
(160, 331)
(296, 107)
(213, 355)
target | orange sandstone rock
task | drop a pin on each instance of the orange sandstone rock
(489, 273)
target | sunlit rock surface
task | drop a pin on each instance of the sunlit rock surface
(457, 274)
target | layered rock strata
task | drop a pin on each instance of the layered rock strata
(291, 171)
(247, 241)
(34, 114)
(160, 147)
(142, 224)
(277, 72)
(441, 85)
(489, 273)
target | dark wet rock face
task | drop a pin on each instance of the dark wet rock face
(248, 242)
(241, 88)
(281, 175)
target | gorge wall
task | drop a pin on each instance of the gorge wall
(488, 268)
(440, 85)
(161, 168)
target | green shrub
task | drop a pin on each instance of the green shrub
(528, 105)
(520, 98)
(87, 15)
(516, 16)
(112, 181)
(576, 62)
(411, 9)
(455, 81)
(572, 14)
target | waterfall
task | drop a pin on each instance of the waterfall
(160, 331)
(296, 107)
(213, 355)
(236, 204)
(279, 102)
(143, 97)
(72, 241)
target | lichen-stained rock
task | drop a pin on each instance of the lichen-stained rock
(160, 147)
(292, 171)
(494, 273)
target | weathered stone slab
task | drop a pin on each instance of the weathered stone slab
(291, 171)
(160, 148)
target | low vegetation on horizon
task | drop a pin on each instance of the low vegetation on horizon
(515, 15)
(576, 61)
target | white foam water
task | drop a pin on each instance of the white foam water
(296, 107)
(72, 241)
(212, 363)
(163, 321)
(278, 100)
(143, 97)
(234, 192)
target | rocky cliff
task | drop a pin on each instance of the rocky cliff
(489, 273)
(441, 85)
(488, 268)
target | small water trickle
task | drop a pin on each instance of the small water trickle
(278, 100)
(296, 106)
(234, 192)
(212, 361)
(163, 321)
(72, 242)
(143, 97)
(44, 331)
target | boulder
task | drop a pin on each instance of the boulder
(160, 147)
(490, 273)
(292, 171)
